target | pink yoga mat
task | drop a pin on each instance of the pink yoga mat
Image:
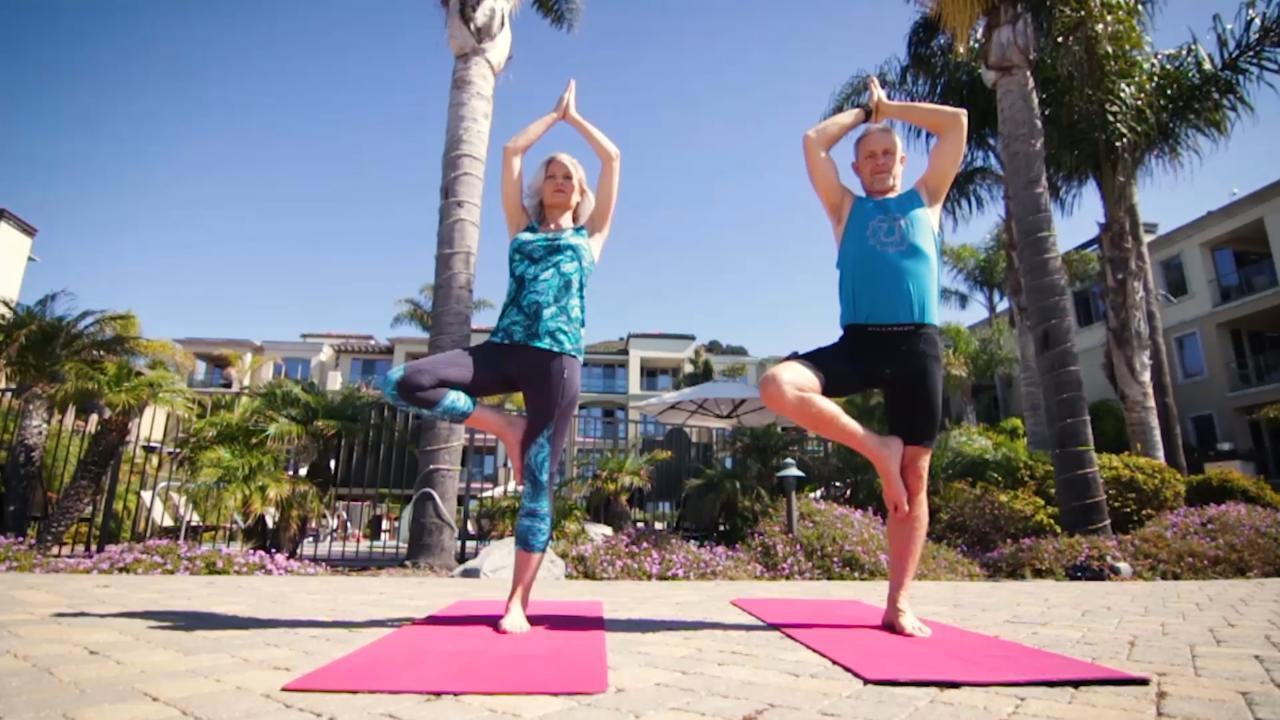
(848, 633)
(458, 650)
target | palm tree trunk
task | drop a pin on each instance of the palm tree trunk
(1082, 503)
(91, 472)
(25, 461)
(1161, 382)
(432, 541)
(1128, 332)
(1034, 416)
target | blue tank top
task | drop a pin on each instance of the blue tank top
(888, 262)
(546, 294)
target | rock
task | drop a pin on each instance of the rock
(498, 560)
(597, 531)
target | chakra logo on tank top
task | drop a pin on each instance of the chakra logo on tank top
(888, 233)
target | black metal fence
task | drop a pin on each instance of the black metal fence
(368, 505)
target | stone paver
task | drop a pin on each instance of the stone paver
(76, 647)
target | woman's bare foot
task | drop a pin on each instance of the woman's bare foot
(515, 621)
(900, 619)
(888, 464)
(512, 436)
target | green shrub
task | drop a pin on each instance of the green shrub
(1109, 432)
(1221, 486)
(1138, 489)
(978, 519)
(982, 455)
(1012, 428)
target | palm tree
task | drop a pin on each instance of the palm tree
(724, 501)
(1153, 110)
(235, 466)
(303, 419)
(975, 356)
(1000, 34)
(981, 270)
(617, 477)
(416, 311)
(480, 38)
(40, 344)
(121, 391)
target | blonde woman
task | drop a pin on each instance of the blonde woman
(558, 227)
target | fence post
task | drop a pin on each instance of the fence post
(109, 502)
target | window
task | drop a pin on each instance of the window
(1175, 280)
(1090, 306)
(1190, 356)
(1204, 431)
(604, 378)
(650, 427)
(293, 368)
(602, 422)
(211, 374)
(658, 379)
(368, 371)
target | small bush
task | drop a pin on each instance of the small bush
(839, 543)
(978, 519)
(656, 555)
(1053, 558)
(1203, 543)
(1212, 542)
(1138, 489)
(1222, 486)
(154, 557)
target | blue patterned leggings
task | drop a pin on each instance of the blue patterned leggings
(445, 387)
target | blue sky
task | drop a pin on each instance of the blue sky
(261, 168)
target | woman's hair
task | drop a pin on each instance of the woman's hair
(533, 192)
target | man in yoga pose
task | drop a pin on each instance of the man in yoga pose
(887, 248)
(558, 228)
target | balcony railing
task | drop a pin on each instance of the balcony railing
(1247, 280)
(1258, 370)
(203, 382)
(616, 387)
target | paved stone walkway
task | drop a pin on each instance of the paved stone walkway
(153, 648)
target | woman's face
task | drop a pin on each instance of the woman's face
(559, 189)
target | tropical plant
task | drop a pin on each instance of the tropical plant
(618, 476)
(40, 344)
(120, 391)
(416, 311)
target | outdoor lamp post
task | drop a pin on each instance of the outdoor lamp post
(788, 475)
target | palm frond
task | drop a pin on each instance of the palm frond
(560, 14)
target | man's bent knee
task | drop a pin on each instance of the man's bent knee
(773, 388)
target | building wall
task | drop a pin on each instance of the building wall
(15, 248)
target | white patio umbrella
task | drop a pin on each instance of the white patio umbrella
(711, 404)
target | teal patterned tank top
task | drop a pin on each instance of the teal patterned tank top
(546, 295)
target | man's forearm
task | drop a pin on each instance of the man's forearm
(935, 119)
(829, 132)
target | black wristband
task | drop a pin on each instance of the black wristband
(867, 112)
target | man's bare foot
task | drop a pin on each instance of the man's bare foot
(901, 620)
(514, 622)
(512, 437)
(888, 464)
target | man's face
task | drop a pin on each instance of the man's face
(879, 164)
